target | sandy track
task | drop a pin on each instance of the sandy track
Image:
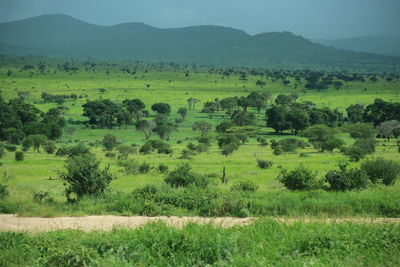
(9, 222)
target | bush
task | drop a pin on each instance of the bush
(19, 156)
(262, 141)
(144, 168)
(299, 179)
(110, 155)
(264, 164)
(383, 170)
(344, 179)
(110, 142)
(161, 147)
(183, 176)
(72, 151)
(360, 149)
(245, 186)
(83, 176)
(125, 151)
(146, 148)
(3, 191)
(10, 148)
(130, 166)
(2, 152)
(162, 168)
(50, 147)
(26, 144)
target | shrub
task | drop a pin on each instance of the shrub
(19, 156)
(380, 169)
(3, 191)
(144, 168)
(245, 186)
(146, 148)
(289, 145)
(360, 149)
(50, 147)
(264, 164)
(10, 148)
(125, 151)
(299, 179)
(183, 176)
(162, 168)
(110, 142)
(262, 141)
(161, 147)
(2, 152)
(130, 166)
(110, 154)
(83, 176)
(344, 179)
(72, 151)
(26, 144)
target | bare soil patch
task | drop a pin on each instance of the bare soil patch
(10, 222)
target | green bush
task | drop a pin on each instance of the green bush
(299, 179)
(360, 149)
(110, 155)
(264, 164)
(380, 169)
(26, 143)
(130, 166)
(19, 156)
(83, 176)
(109, 142)
(2, 152)
(183, 176)
(162, 168)
(346, 179)
(50, 147)
(72, 151)
(245, 186)
(144, 168)
(3, 191)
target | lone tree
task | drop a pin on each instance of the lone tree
(38, 140)
(161, 108)
(146, 127)
(110, 142)
(202, 126)
(182, 112)
(83, 176)
(386, 128)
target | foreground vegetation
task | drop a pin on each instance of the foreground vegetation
(265, 243)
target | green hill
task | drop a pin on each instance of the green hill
(64, 36)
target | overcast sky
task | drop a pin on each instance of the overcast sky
(309, 18)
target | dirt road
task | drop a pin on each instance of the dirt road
(9, 222)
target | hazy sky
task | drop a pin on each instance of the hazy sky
(310, 18)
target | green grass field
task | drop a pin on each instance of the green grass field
(32, 175)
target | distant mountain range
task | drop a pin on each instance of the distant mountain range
(377, 44)
(64, 36)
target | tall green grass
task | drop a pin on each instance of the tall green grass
(265, 243)
(378, 201)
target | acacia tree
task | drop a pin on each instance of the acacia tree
(202, 126)
(146, 126)
(386, 128)
(228, 144)
(182, 112)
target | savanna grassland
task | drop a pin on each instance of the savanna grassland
(34, 188)
(170, 84)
